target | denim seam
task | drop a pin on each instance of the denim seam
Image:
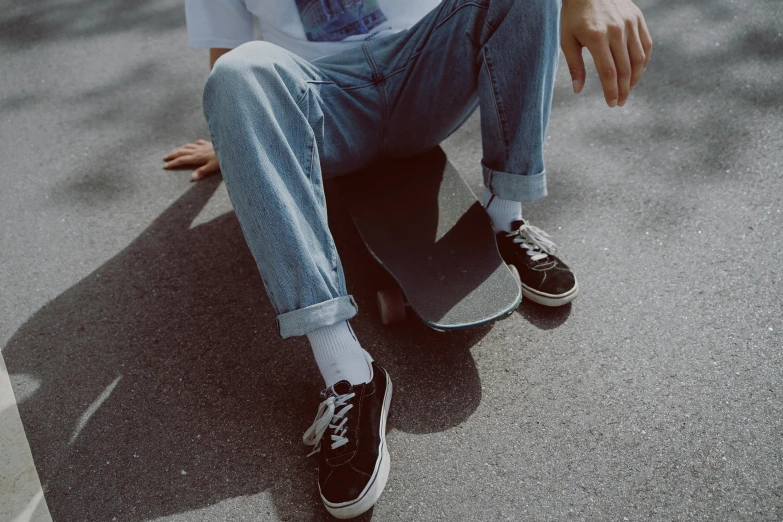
(379, 82)
(384, 113)
(303, 96)
(404, 67)
(334, 258)
(354, 87)
(496, 100)
(474, 4)
(313, 146)
(371, 63)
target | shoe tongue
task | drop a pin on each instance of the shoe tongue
(342, 387)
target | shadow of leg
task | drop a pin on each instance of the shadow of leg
(165, 387)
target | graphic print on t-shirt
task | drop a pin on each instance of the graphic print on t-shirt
(336, 20)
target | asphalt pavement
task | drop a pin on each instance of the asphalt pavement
(145, 363)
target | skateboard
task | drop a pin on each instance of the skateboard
(422, 223)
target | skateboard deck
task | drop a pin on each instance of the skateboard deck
(422, 223)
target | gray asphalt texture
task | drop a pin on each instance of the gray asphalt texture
(143, 351)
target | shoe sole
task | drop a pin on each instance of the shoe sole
(372, 492)
(550, 299)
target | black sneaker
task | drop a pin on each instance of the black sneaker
(354, 461)
(544, 278)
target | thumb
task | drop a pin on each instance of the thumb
(211, 167)
(572, 50)
(199, 173)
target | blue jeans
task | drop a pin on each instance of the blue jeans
(280, 125)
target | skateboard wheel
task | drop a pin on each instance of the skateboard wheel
(391, 305)
(515, 273)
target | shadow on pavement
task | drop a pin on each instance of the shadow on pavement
(159, 382)
(163, 385)
(697, 73)
(544, 317)
(28, 23)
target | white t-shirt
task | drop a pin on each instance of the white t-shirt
(309, 28)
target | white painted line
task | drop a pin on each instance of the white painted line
(21, 495)
(89, 412)
(31, 510)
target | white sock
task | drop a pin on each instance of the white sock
(339, 355)
(502, 212)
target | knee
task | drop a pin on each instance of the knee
(228, 78)
(251, 70)
(234, 71)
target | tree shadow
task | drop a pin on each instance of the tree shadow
(27, 23)
(699, 109)
(163, 385)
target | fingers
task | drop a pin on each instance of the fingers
(618, 43)
(620, 58)
(200, 154)
(572, 50)
(179, 151)
(646, 40)
(638, 57)
(181, 161)
(604, 64)
(173, 154)
(616, 35)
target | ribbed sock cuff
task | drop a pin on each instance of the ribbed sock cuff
(501, 211)
(339, 355)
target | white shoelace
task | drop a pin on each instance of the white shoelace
(329, 417)
(537, 242)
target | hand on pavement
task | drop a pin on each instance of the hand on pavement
(199, 154)
(615, 33)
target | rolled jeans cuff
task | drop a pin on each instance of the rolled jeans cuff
(515, 187)
(309, 318)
